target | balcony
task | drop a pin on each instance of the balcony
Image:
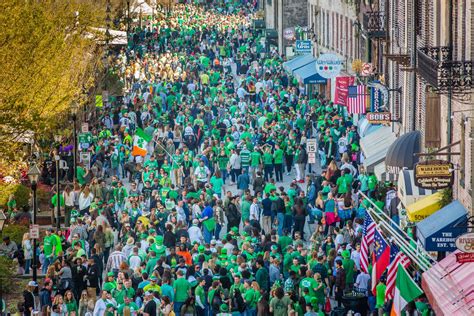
(375, 24)
(436, 67)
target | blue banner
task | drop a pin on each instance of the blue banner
(303, 47)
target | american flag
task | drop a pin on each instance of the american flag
(367, 239)
(396, 257)
(356, 99)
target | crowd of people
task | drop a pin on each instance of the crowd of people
(221, 214)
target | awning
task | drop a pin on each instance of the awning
(449, 286)
(424, 207)
(308, 75)
(364, 128)
(401, 153)
(439, 231)
(408, 192)
(382, 174)
(298, 62)
(141, 7)
(375, 146)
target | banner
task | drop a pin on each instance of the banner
(342, 83)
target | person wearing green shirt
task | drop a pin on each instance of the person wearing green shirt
(380, 295)
(200, 296)
(249, 297)
(280, 304)
(182, 290)
(262, 277)
(372, 183)
(278, 163)
(48, 250)
(349, 267)
(57, 244)
(268, 164)
(308, 282)
(217, 183)
(127, 305)
(71, 304)
(81, 174)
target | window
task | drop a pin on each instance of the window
(432, 120)
(269, 2)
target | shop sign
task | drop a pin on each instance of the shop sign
(442, 241)
(379, 117)
(434, 174)
(465, 243)
(329, 65)
(289, 33)
(303, 47)
(464, 257)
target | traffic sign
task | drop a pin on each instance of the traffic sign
(34, 231)
(311, 145)
(311, 157)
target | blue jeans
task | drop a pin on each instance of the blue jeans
(217, 231)
(27, 266)
(177, 307)
(281, 220)
(207, 235)
(47, 262)
(224, 174)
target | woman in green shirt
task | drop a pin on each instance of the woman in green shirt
(217, 183)
(71, 303)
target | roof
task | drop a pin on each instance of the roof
(298, 62)
(375, 146)
(424, 207)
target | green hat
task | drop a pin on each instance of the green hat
(223, 253)
(111, 201)
(346, 254)
(108, 287)
(143, 236)
(201, 249)
(235, 229)
(326, 189)
(224, 308)
(274, 247)
(153, 278)
(74, 213)
(254, 240)
(158, 239)
(248, 238)
(110, 274)
(314, 301)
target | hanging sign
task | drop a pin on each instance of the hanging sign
(341, 93)
(289, 33)
(329, 65)
(434, 174)
(379, 117)
(465, 257)
(465, 243)
(303, 47)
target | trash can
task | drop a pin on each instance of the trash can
(355, 301)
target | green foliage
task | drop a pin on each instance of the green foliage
(15, 232)
(7, 273)
(446, 197)
(21, 193)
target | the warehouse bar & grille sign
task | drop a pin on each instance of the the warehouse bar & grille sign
(434, 174)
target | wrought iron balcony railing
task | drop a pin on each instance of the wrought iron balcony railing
(436, 67)
(375, 24)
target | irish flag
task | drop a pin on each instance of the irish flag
(406, 290)
(140, 142)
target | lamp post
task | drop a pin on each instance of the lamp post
(57, 158)
(3, 219)
(33, 175)
(74, 109)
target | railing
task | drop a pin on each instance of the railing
(436, 67)
(375, 24)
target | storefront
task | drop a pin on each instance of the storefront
(298, 62)
(424, 207)
(309, 76)
(408, 191)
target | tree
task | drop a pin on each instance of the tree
(46, 63)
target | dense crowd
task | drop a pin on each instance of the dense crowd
(205, 221)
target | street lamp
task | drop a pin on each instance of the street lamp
(74, 109)
(33, 174)
(57, 158)
(3, 219)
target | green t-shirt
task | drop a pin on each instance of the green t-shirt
(380, 297)
(199, 291)
(48, 242)
(57, 244)
(80, 172)
(249, 297)
(255, 158)
(309, 283)
(217, 184)
(181, 288)
(348, 265)
(267, 158)
(132, 306)
(278, 155)
(280, 306)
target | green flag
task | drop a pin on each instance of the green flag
(406, 290)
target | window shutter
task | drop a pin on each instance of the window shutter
(432, 120)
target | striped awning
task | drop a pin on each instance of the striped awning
(408, 192)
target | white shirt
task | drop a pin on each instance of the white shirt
(254, 211)
(362, 281)
(355, 255)
(134, 261)
(85, 201)
(195, 234)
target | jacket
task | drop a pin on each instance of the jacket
(243, 181)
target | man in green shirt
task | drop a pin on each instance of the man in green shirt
(278, 163)
(48, 250)
(380, 295)
(128, 305)
(262, 276)
(255, 161)
(182, 290)
(200, 296)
